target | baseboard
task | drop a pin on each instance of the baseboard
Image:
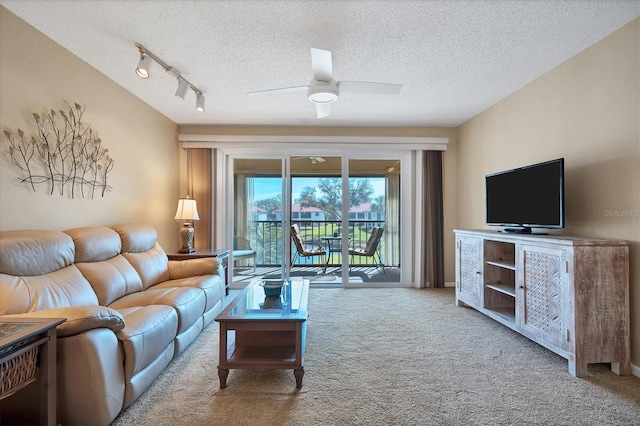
(450, 284)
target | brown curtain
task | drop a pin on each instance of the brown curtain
(199, 176)
(433, 240)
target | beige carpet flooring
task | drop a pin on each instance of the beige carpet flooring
(391, 357)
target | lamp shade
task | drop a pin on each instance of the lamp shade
(187, 209)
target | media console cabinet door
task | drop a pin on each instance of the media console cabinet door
(469, 265)
(544, 294)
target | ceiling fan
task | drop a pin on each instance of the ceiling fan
(324, 89)
(314, 160)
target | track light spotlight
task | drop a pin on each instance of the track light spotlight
(143, 65)
(200, 102)
(183, 86)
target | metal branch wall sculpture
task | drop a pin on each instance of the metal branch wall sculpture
(65, 154)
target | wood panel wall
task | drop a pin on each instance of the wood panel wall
(199, 175)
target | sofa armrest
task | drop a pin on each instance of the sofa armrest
(193, 267)
(80, 318)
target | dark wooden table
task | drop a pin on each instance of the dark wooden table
(268, 332)
(221, 254)
(19, 338)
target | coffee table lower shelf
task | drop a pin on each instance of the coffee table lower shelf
(263, 356)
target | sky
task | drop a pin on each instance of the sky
(271, 187)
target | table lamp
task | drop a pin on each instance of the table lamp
(188, 212)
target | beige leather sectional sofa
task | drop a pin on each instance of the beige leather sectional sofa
(129, 310)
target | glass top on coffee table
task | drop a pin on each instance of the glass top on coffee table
(253, 303)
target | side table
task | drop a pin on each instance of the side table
(221, 254)
(22, 341)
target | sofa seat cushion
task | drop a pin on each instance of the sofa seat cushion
(148, 332)
(211, 285)
(188, 302)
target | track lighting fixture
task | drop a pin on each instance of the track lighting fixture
(143, 66)
(183, 86)
(199, 102)
(147, 58)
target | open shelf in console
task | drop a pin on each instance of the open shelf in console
(503, 288)
(500, 278)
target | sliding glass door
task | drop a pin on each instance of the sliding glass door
(331, 219)
(316, 211)
(259, 225)
(374, 221)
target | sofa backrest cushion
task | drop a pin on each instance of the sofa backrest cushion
(59, 289)
(37, 273)
(98, 258)
(34, 252)
(141, 249)
(111, 279)
(95, 243)
(136, 238)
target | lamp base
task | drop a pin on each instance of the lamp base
(186, 236)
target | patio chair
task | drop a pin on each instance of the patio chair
(242, 250)
(301, 246)
(371, 247)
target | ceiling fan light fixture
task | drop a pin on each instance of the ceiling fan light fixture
(323, 92)
(323, 89)
(323, 97)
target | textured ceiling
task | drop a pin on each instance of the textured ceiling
(454, 58)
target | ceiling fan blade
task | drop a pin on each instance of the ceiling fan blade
(281, 90)
(369, 87)
(323, 110)
(321, 64)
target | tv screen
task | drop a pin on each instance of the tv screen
(526, 197)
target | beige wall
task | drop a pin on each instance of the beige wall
(38, 74)
(587, 110)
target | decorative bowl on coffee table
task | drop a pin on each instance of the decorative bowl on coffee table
(272, 288)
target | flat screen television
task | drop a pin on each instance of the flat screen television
(526, 197)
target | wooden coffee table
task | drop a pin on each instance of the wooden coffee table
(258, 332)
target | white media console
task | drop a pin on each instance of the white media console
(569, 294)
